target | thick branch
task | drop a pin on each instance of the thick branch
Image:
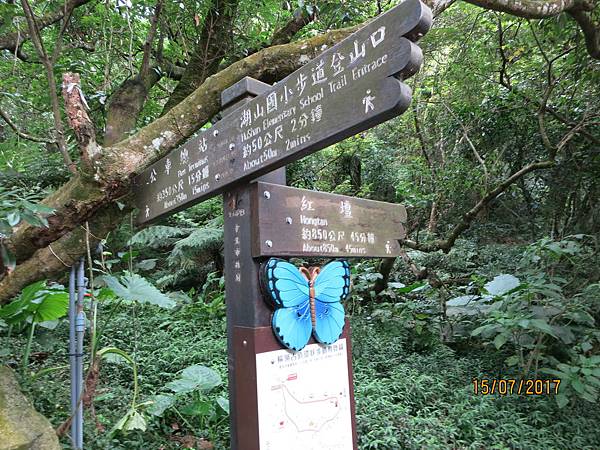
(530, 9)
(590, 30)
(14, 40)
(153, 141)
(290, 29)
(145, 67)
(579, 10)
(61, 254)
(447, 244)
(129, 98)
(215, 40)
(79, 121)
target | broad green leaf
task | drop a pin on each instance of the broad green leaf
(133, 287)
(135, 422)
(500, 340)
(13, 218)
(49, 324)
(542, 325)
(198, 408)
(195, 377)
(51, 307)
(205, 377)
(512, 361)
(160, 403)
(577, 385)
(501, 284)
(181, 385)
(38, 208)
(483, 329)
(223, 403)
(561, 400)
(32, 219)
(147, 264)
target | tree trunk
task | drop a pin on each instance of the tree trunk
(385, 269)
(216, 39)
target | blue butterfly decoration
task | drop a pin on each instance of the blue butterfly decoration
(307, 301)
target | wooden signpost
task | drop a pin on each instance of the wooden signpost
(350, 87)
(279, 398)
(297, 222)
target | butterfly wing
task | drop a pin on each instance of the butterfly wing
(289, 291)
(292, 326)
(332, 286)
(284, 284)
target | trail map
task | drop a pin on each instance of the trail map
(304, 398)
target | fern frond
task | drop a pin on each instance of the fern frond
(159, 236)
(201, 241)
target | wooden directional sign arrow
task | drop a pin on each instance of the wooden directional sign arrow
(297, 222)
(351, 87)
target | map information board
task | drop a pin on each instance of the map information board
(304, 398)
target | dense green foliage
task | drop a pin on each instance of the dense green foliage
(516, 296)
(411, 391)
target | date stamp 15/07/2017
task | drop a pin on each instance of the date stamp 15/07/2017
(514, 386)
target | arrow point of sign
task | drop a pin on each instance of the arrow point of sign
(411, 63)
(404, 96)
(422, 23)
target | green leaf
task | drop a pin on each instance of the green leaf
(543, 326)
(160, 403)
(13, 218)
(37, 208)
(482, 329)
(135, 421)
(104, 352)
(224, 404)
(512, 360)
(502, 284)
(51, 307)
(147, 264)
(561, 400)
(32, 219)
(557, 373)
(198, 408)
(577, 385)
(181, 386)
(133, 287)
(411, 287)
(500, 340)
(195, 377)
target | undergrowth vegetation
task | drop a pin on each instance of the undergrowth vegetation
(414, 369)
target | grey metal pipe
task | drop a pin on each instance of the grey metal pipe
(72, 351)
(80, 330)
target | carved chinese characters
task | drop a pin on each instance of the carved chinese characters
(348, 88)
(297, 222)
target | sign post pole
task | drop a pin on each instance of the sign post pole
(246, 310)
(249, 332)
